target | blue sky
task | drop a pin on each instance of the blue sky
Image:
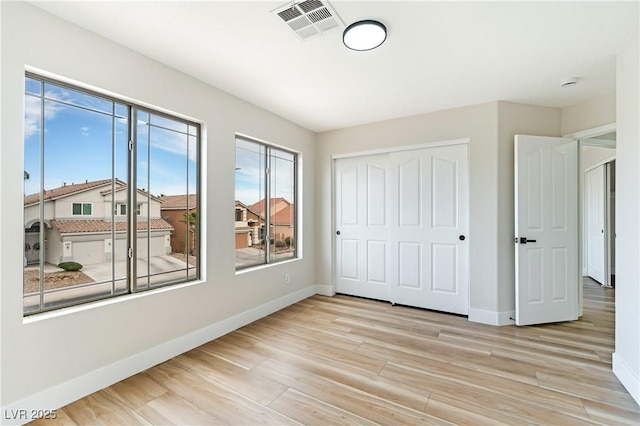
(85, 140)
(250, 173)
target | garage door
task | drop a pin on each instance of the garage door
(88, 252)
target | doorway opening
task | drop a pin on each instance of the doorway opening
(598, 208)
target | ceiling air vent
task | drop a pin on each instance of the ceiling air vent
(308, 18)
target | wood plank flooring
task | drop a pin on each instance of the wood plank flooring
(346, 360)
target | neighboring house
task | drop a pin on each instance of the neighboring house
(79, 221)
(281, 214)
(249, 226)
(173, 210)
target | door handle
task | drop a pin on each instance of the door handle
(524, 240)
(462, 237)
(337, 232)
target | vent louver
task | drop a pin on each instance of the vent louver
(308, 18)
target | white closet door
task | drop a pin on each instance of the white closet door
(429, 228)
(595, 200)
(402, 227)
(362, 226)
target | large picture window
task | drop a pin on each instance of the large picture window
(265, 210)
(87, 158)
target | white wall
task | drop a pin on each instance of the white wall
(76, 351)
(589, 114)
(626, 359)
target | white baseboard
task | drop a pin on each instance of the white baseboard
(65, 393)
(325, 290)
(627, 377)
(491, 317)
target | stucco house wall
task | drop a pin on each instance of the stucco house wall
(81, 245)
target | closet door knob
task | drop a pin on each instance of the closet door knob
(462, 237)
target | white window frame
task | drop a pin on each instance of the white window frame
(194, 133)
(267, 196)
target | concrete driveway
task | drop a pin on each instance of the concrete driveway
(162, 269)
(248, 256)
(156, 265)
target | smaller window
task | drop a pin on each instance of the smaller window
(238, 215)
(81, 209)
(266, 184)
(120, 209)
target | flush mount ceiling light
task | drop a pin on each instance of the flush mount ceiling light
(364, 35)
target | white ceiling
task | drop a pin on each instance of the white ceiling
(438, 55)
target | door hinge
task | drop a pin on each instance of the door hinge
(130, 254)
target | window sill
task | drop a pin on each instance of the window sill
(265, 266)
(44, 316)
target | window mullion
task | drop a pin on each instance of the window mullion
(267, 204)
(132, 231)
(41, 239)
(114, 206)
(187, 218)
(295, 207)
(147, 232)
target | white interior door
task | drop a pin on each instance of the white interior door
(595, 218)
(546, 229)
(429, 228)
(362, 226)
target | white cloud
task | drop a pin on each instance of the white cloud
(33, 111)
(248, 196)
(250, 177)
(171, 142)
(31, 116)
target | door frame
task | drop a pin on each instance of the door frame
(608, 237)
(593, 206)
(580, 136)
(385, 150)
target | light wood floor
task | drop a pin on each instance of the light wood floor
(345, 360)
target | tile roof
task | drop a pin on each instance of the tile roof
(178, 202)
(259, 206)
(65, 190)
(96, 225)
